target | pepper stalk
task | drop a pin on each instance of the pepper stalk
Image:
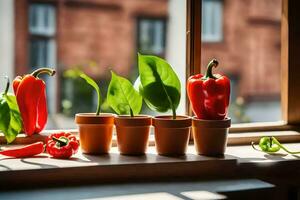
(44, 70)
(275, 141)
(211, 64)
(62, 141)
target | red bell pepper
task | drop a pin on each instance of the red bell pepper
(62, 145)
(209, 94)
(31, 98)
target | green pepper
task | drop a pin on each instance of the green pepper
(271, 145)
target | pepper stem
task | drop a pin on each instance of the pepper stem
(283, 147)
(44, 70)
(211, 64)
(253, 146)
(60, 141)
(7, 85)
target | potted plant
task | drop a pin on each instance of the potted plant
(160, 88)
(132, 129)
(95, 129)
(209, 97)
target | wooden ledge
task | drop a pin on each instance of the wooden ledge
(112, 167)
(240, 138)
(239, 162)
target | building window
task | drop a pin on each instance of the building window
(42, 30)
(212, 19)
(152, 36)
(42, 45)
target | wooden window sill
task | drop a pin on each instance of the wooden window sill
(236, 138)
(239, 161)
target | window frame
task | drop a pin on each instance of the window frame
(290, 84)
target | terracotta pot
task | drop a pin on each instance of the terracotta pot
(95, 132)
(210, 136)
(171, 136)
(133, 134)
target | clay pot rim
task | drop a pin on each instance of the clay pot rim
(138, 120)
(170, 117)
(166, 121)
(92, 118)
(203, 123)
(94, 114)
(134, 117)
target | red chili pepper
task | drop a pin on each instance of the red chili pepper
(26, 151)
(31, 97)
(209, 95)
(62, 145)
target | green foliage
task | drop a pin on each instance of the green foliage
(72, 73)
(92, 83)
(122, 96)
(75, 73)
(10, 117)
(160, 86)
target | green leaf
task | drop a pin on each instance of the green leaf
(91, 82)
(4, 114)
(15, 116)
(10, 117)
(122, 96)
(160, 85)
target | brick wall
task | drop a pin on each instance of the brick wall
(250, 49)
(103, 31)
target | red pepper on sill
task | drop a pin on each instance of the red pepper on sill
(209, 95)
(31, 97)
(24, 152)
(62, 145)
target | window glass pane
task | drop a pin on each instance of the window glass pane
(95, 37)
(42, 19)
(249, 54)
(212, 20)
(151, 36)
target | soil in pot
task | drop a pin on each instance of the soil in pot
(171, 135)
(95, 132)
(210, 136)
(133, 134)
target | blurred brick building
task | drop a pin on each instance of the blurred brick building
(80, 31)
(70, 33)
(243, 34)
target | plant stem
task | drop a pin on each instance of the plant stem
(99, 104)
(173, 111)
(92, 83)
(131, 112)
(7, 85)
